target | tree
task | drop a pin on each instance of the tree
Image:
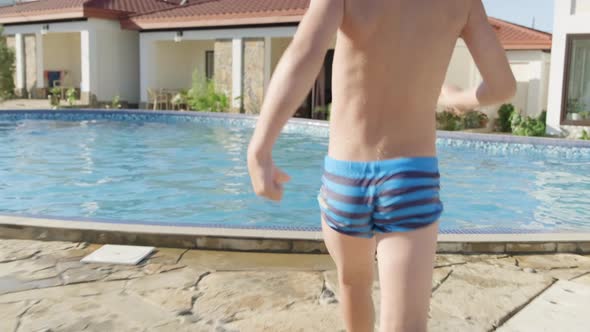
(6, 68)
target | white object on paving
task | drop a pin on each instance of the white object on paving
(563, 307)
(115, 254)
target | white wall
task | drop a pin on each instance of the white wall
(117, 59)
(580, 6)
(62, 53)
(176, 62)
(530, 71)
(564, 23)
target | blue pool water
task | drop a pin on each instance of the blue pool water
(194, 173)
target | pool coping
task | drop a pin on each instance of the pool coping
(264, 240)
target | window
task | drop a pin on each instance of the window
(576, 101)
(209, 64)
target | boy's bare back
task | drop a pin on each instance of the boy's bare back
(390, 62)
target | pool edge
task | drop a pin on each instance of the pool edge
(262, 240)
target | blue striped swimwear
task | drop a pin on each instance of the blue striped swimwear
(396, 195)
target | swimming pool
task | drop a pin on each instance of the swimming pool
(189, 169)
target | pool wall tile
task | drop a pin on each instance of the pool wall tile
(485, 247)
(243, 244)
(567, 247)
(450, 247)
(548, 247)
(309, 247)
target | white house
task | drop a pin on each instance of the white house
(78, 44)
(569, 97)
(129, 48)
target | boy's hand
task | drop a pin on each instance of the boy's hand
(267, 179)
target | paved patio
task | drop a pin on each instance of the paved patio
(43, 287)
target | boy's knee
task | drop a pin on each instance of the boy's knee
(355, 278)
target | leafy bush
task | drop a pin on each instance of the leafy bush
(503, 123)
(322, 112)
(208, 99)
(55, 96)
(6, 69)
(447, 120)
(71, 96)
(585, 136)
(116, 102)
(474, 120)
(527, 126)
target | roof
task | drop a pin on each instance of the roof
(518, 37)
(201, 13)
(170, 14)
(46, 10)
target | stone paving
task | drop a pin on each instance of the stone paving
(44, 287)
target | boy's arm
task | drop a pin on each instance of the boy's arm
(498, 83)
(291, 82)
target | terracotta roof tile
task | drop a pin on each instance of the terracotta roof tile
(514, 36)
(128, 6)
(224, 12)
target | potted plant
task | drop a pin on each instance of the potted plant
(55, 96)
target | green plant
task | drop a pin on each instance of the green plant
(204, 97)
(181, 98)
(503, 123)
(71, 96)
(116, 102)
(585, 115)
(447, 120)
(55, 96)
(474, 120)
(322, 112)
(585, 136)
(527, 126)
(6, 68)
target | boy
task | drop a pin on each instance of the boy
(381, 180)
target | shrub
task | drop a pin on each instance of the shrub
(204, 97)
(6, 68)
(503, 123)
(474, 120)
(322, 112)
(447, 120)
(55, 96)
(208, 99)
(116, 102)
(527, 126)
(585, 136)
(71, 96)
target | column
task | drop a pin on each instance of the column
(39, 57)
(147, 68)
(253, 75)
(267, 61)
(88, 84)
(237, 70)
(534, 102)
(20, 64)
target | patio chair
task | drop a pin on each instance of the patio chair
(157, 99)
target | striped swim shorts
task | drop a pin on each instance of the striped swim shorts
(396, 195)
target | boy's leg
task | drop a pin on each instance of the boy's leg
(355, 260)
(406, 262)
